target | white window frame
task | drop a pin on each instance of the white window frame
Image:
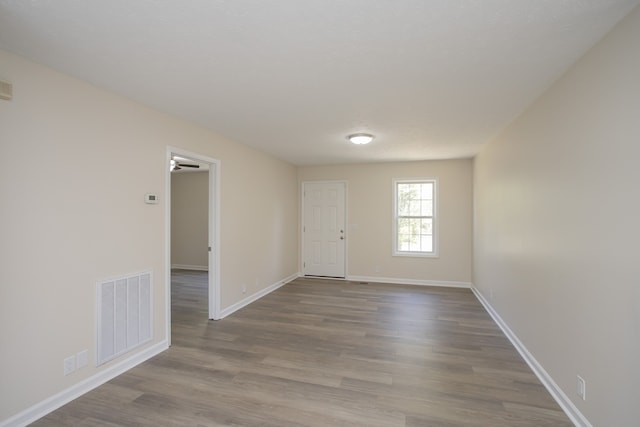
(434, 253)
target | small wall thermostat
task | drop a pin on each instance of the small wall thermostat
(151, 199)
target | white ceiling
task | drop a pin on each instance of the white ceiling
(432, 79)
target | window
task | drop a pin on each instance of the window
(414, 222)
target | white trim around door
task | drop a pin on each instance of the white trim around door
(214, 233)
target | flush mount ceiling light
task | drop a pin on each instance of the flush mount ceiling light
(360, 138)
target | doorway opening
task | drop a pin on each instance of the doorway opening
(192, 244)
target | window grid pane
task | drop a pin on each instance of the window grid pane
(414, 227)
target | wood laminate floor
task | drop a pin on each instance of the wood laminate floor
(325, 353)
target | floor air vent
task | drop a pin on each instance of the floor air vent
(124, 315)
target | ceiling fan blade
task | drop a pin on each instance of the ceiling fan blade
(188, 166)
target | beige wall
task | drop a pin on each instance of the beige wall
(189, 219)
(370, 209)
(77, 162)
(557, 228)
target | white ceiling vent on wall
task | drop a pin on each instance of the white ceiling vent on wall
(6, 90)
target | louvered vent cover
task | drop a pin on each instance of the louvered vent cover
(124, 315)
(6, 90)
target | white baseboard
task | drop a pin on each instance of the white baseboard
(248, 300)
(556, 392)
(190, 267)
(54, 402)
(443, 283)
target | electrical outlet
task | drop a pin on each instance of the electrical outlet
(69, 365)
(82, 359)
(244, 289)
(581, 388)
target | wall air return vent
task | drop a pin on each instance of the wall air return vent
(124, 315)
(6, 90)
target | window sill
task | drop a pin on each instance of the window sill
(417, 254)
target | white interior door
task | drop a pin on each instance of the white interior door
(214, 241)
(324, 233)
